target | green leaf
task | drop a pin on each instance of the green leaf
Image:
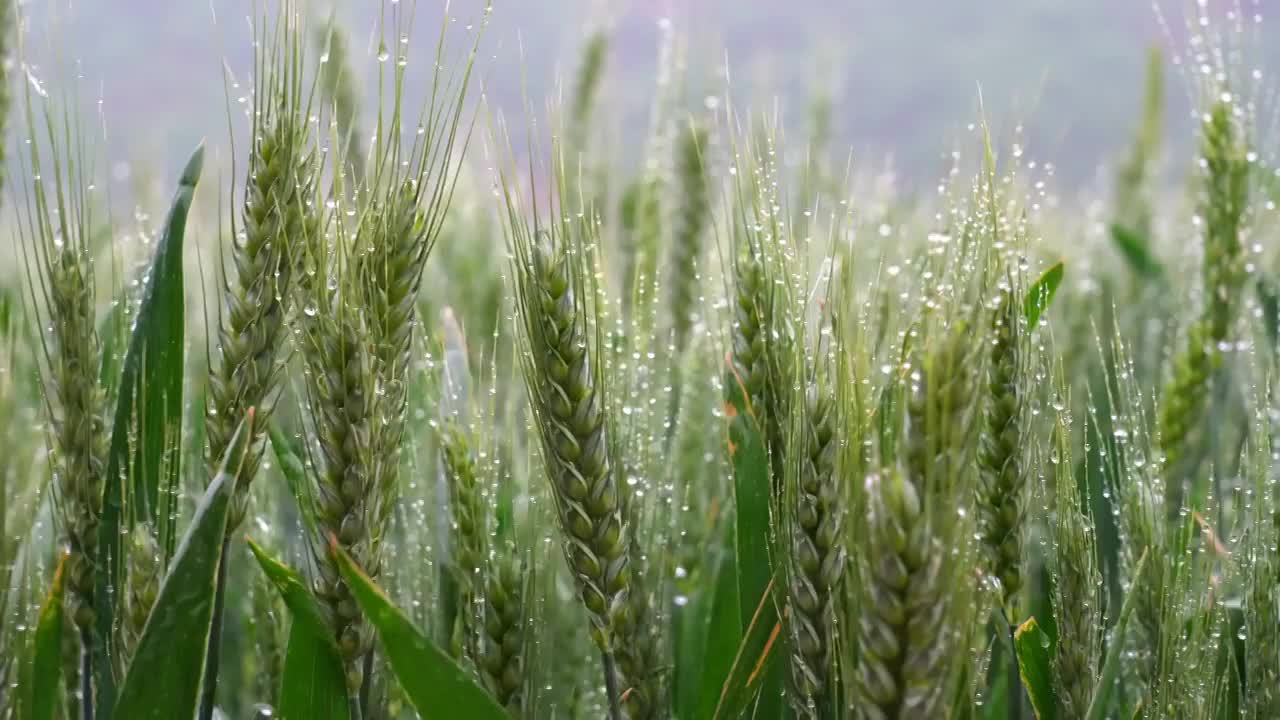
(163, 681)
(753, 668)
(314, 684)
(995, 703)
(436, 685)
(707, 632)
(753, 493)
(151, 380)
(1041, 293)
(45, 702)
(1035, 665)
(146, 433)
(1133, 248)
(293, 588)
(1111, 665)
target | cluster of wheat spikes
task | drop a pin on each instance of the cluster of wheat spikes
(709, 433)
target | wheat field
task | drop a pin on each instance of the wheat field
(385, 413)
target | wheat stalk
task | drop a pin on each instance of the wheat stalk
(691, 219)
(566, 393)
(469, 533)
(640, 650)
(901, 665)
(501, 656)
(55, 227)
(143, 569)
(1001, 497)
(1077, 601)
(341, 397)
(1223, 208)
(277, 217)
(817, 553)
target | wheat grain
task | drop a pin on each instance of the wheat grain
(55, 229)
(1077, 600)
(904, 608)
(817, 553)
(690, 222)
(469, 533)
(1001, 494)
(142, 583)
(566, 393)
(502, 653)
(1223, 207)
(278, 217)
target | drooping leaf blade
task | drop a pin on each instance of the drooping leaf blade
(1041, 293)
(314, 685)
(45, 701)
(147, 426)
(438, 687)
(1035, 666)
(163, 681)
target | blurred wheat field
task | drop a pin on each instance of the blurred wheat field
(397, 403)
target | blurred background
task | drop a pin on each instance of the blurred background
(903, 78)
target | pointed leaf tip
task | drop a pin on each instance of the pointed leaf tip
(191, 173)
(1035, 668)
(433, 682)
(46, 672)
(1041, 293)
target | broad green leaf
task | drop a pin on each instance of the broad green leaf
(147, 429)
(46, 672)
(1035, 665)
(314, 685)
(438, 687)
(706, 633)
(724, 633)
(150, 400)
(163, 681)
(1041, 293)
(750, 671)
(753, 493)
(1136, 252)
(1111, 665)
(995, 699)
